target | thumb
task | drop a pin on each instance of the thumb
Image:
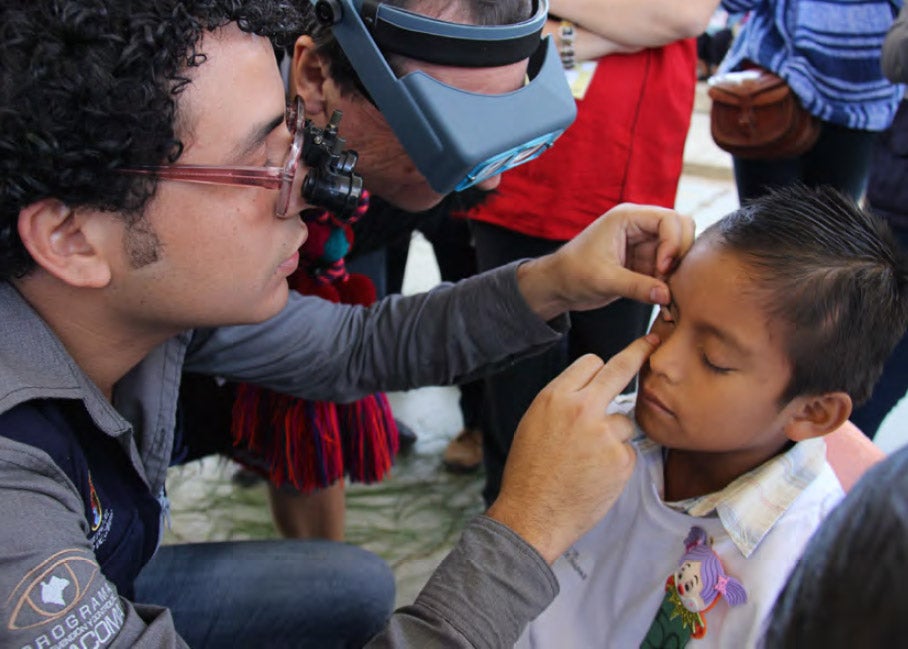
(640, 287)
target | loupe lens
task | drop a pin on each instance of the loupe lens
(337, 193)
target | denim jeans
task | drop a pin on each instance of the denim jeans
(274, 594)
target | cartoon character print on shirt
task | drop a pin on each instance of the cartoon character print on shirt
(694, 589)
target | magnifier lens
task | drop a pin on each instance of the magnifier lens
(529, 153)
(507, 160)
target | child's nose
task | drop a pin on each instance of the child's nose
(665, 361)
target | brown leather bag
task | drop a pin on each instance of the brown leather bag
(755, 115)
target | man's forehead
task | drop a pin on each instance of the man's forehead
(235, 79)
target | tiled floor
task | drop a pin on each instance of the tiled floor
(412, 518)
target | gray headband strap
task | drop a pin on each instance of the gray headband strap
(434, 41)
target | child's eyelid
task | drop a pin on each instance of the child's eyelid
(721, 369)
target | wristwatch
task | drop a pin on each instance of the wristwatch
(566, 43)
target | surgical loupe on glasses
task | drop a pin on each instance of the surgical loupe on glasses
(456, 138)
(331, 182)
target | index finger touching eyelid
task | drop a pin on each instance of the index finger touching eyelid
(621, 368)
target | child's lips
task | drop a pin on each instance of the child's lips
(654, 402)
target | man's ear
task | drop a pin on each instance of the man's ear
(817, 415)
(62, 242)
(308, 75)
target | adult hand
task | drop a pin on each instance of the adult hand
(626, 252)
(570, 460)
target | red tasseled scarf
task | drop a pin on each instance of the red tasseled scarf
(312, 444)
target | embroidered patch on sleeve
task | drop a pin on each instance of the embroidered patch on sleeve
(65, 601)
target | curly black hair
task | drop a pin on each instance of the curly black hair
(89, 86)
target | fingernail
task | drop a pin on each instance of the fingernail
(666, 264)
(659, 295)
(653, 339)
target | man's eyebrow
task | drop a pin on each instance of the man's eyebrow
(256, 137)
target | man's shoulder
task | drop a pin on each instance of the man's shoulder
(42, 425)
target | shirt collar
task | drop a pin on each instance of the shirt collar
(37, 366)
(749, 506)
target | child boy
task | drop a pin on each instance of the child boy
(781, 317)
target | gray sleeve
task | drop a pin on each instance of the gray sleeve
(483, 594)
(52, 591)
(319, 350)
(895, 49)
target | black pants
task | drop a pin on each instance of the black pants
(887, 195)
(840, 158)
(892, 385)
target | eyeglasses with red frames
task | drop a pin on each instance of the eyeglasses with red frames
(267, 177)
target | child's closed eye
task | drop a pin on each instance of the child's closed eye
(712, 367)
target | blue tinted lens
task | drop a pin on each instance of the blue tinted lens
(508, 160)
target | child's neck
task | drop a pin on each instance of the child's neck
(689, 474)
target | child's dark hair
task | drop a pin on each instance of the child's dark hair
(834, 273)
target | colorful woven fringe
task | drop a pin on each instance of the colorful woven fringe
(312, 444)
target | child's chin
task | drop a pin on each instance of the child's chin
(651, 427)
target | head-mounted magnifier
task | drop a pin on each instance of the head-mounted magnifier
(456, 138)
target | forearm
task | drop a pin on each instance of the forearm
(319, 350)
(638, 23)
(539, 287)
(482, 595)
(588, 46)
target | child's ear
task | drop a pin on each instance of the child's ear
(817, 415)
(308, 75)
(62, 241)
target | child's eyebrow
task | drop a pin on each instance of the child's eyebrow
(726, 337)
